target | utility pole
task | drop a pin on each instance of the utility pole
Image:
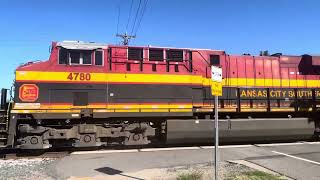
(125, 38)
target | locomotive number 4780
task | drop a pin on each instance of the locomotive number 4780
(74, 76)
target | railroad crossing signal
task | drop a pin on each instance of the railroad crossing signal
(216, 84)
(216, 90)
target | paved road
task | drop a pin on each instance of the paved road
(296, 160)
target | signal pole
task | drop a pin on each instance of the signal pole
(216, 144)
(216, 90)
(125, 38)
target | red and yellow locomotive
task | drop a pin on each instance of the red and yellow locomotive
(90, 94)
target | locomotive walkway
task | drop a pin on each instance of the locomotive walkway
(294, 160)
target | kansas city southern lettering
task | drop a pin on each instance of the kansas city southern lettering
(253, 93)
(282, 93)
(304, 93)
(277, 93)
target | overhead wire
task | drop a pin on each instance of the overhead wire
(119, 11)
(142, 14)
(129, 15)
(135, 19)
(118, 19)
(143, 10)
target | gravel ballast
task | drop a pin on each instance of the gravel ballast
(33, 169)
(44, 169)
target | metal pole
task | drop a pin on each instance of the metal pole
(216, 128)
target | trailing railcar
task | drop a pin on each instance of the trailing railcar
(90, 94)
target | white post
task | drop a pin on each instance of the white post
(216, 128)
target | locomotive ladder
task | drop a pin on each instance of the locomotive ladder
(3, 127)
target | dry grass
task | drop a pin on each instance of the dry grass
(192, 175)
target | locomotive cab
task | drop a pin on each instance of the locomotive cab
(80, 55)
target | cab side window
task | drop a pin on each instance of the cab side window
(215, 60)
(86, 57)
(75, 57)
(80, 57)
(63, 56)
(98, 57)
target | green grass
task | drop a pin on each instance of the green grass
(251, 175)
(193, 175)
(254, 175)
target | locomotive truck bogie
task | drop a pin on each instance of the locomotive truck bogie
(84, 135)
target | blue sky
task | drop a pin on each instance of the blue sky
(246, 26)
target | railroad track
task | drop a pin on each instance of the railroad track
(62, 152)
(53, 155)
(13, 154)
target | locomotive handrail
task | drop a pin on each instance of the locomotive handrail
(203, 58)
(148, 62)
